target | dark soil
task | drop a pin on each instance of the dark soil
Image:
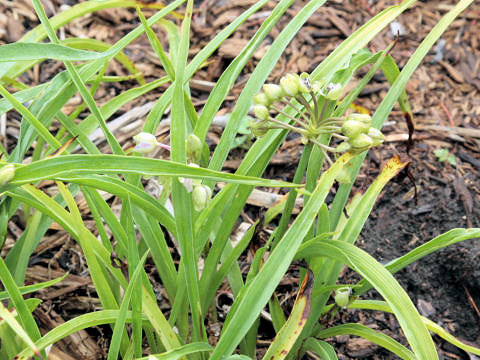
(444, 93)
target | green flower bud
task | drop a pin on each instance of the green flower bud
(333, 91)
(376, 135)
(364, 118)
(146, 142)
(261, 99)
(342, 296)
(343, 147)
(7, 172)
(201, 195)
(261, 112)
(351, 128)
(273, 92)
(193, 147)
(290, 84)
(258, 128)
(361, 142)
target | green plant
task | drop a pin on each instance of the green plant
(444, 155)
(202, 226)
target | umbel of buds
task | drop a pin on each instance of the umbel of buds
(359, 133)
(310, 99)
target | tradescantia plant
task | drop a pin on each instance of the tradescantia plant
(320, 235)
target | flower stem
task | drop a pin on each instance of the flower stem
(293, 118)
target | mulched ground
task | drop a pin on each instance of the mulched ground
(444, 93)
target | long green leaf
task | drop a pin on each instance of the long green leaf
(181, 351)
(433, 327)
(374, 336)
(449, 238)
(32, 288)
(68, 165)
(78, 323)
(360, 261)
(321, 348)
(32, 51)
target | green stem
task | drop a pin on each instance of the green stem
(293, 106)
(292, 195)
(293, 118)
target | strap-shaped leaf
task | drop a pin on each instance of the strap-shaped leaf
(321, 348)
(73, 165)
(374, 336)
(290, 331)
(33, 51)
(360, 261)
(449, 238)
(433, 327)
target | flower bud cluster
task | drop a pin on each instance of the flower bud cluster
(359, 134)
(312, 101)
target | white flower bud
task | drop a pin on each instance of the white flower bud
(194, 147)
(261, 112)
(145, 143)
(290, 84)
(260, 99)
(7, 172)
(376, 135)
(342, 296)
(273, 92)
(201, 197)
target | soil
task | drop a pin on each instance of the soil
(444, 94)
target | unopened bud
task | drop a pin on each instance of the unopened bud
(290, 84)
(194, 147)
(258, 128)
(343, 147)
(7, 172)
(261, 112)
(145, 142)
(375, 134)
(333, 91)
(273, 92)
(260, 99)
(361, 142)
(351, 128)
(364, 118)
(342, 296)
(201, 195)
